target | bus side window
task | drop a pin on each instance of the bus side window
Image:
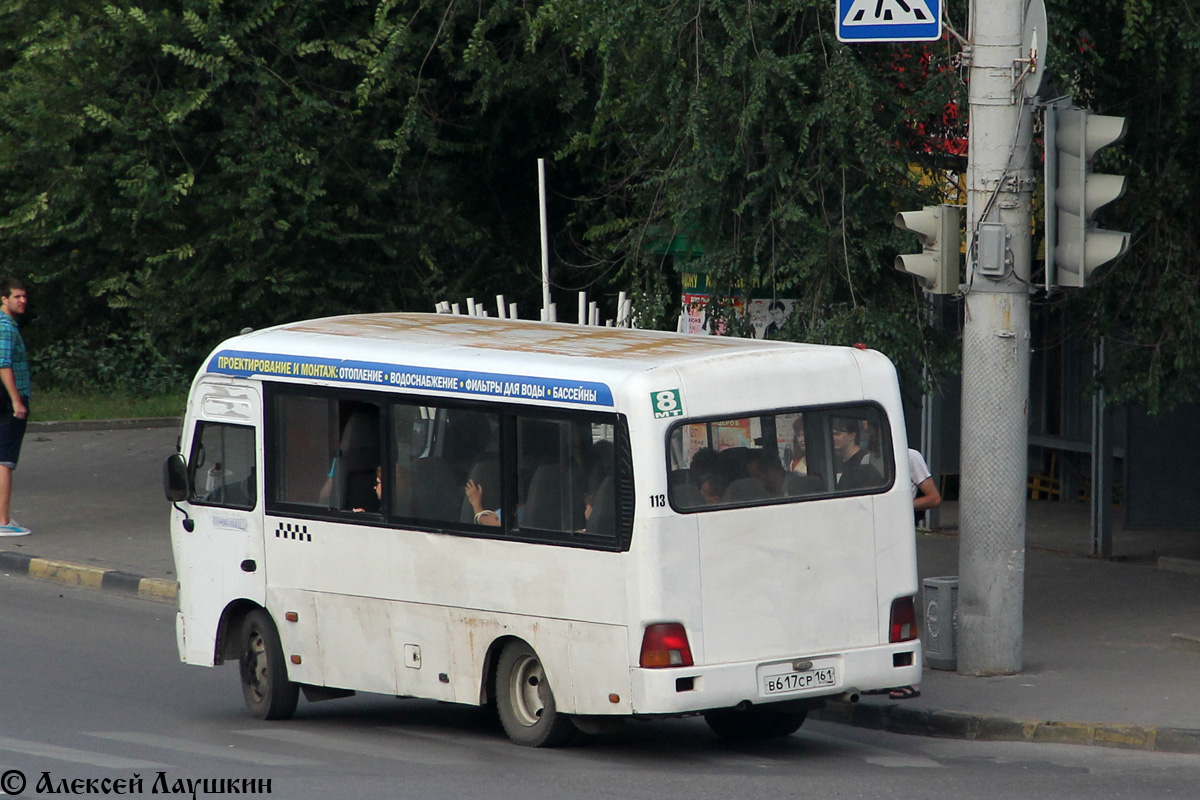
(792, 455)
(303, 439)
(222, 466)
(410, 440)
(358, 461)
(325, 452)
(569, 471)
(437, 450)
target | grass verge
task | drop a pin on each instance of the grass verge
(58, 406)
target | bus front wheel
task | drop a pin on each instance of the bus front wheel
(525, 702)
(754, 724)
(268, 692)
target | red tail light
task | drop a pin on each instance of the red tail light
(904, 620)
(665, 645)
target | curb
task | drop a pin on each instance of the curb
(987, 728)
(157, 589)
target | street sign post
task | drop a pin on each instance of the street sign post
(889, 20)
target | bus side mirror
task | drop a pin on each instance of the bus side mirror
(175, 484)
(175, 480)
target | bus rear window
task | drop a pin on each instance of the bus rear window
(780, 457)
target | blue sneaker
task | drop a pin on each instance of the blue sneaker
(14, 529)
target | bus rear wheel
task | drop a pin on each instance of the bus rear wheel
(525, 702)
(754, 724)
(268, 692)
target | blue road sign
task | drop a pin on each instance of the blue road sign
(889, 20)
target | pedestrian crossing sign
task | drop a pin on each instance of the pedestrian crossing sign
(889, 20)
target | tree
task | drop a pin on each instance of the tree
(174, 171)
(1141, 60)
(778, 151)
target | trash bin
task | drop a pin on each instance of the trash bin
(939, 632)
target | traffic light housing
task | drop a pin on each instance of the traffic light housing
(937, 265)
(1075, 245)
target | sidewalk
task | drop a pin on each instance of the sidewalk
(1111, 652)
(1111, 647)
(94, 501)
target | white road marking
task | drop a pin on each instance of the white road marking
(211, 750)
(42, 750)
(357, 745)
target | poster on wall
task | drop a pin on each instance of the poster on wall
(768, 316)
(693, 313)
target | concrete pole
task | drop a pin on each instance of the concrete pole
(995, 390)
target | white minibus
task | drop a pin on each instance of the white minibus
(572, 525)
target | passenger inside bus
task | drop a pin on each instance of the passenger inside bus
(480, 513)
(798, 456)
(713, 486)
(600, 509)
(439, 466)
(855, 470)
(481, 503)
(378, 489)
(352, 474)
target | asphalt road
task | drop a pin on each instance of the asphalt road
(93, 690)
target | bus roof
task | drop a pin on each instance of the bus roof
(577, 365)
(383, 336)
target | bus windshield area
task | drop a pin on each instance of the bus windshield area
(780, 457)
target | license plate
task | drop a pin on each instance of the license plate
(783, 678)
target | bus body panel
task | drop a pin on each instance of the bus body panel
(439, 653)
(775, 581)
(447, 570)
(774, 599)
(417, 612)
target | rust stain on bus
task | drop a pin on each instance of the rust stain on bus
(540, 337)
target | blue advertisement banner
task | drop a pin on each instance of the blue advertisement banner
(398, 376)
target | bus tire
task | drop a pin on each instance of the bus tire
(265, 685)
(754, 724)
(525, 702)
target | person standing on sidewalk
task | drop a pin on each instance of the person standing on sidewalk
(14, 403)
(925, 492)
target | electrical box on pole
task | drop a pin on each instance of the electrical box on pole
(937, 265)
(1075, 245)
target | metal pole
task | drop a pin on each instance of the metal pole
(931, 435)
(545, 240)
(1102, 464)
(995, 390)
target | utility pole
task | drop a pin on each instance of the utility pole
(995, 376)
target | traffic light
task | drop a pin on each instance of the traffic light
(1075, 246)
(937, 263)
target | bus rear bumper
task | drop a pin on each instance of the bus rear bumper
(684, 690)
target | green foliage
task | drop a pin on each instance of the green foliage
(107, 363)
(180, 170)
(172, 171)
(1141, 60)
(784, 155)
